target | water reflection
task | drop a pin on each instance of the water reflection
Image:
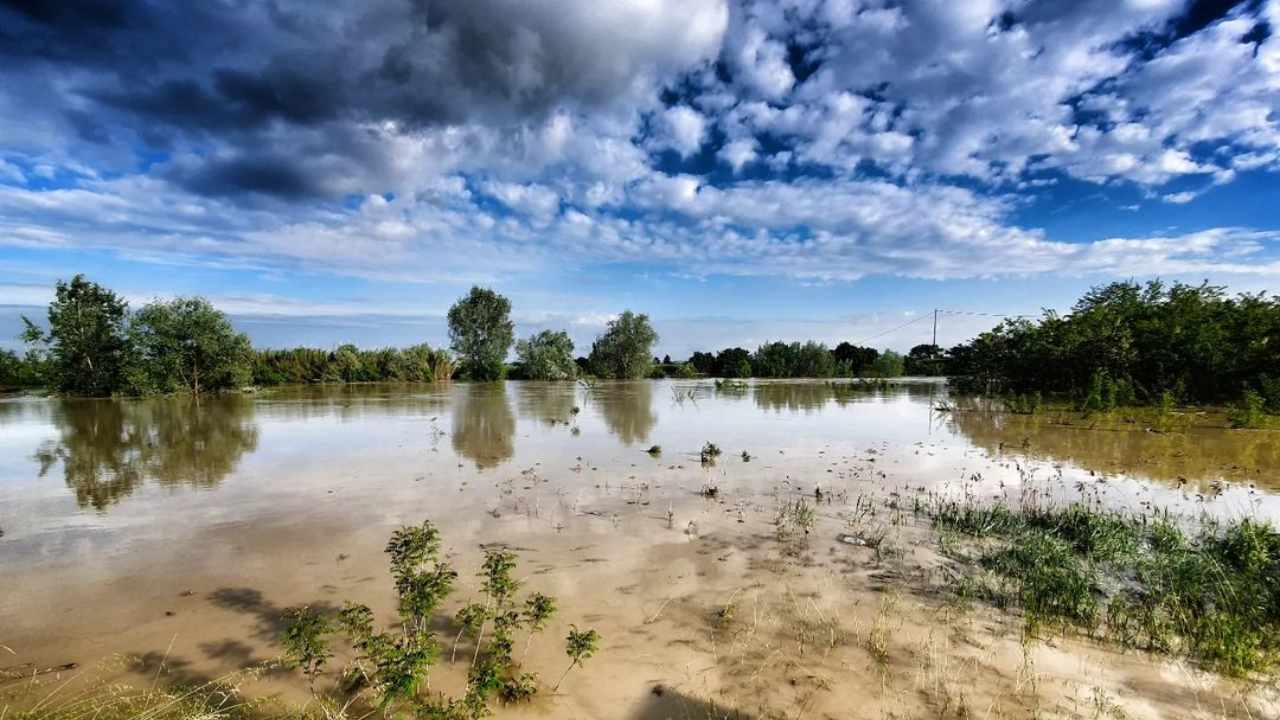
(356, 401)
(107, 448)
(484, 427)
(809, 396)
(627, 409)
(548, 402)
(1193, 455)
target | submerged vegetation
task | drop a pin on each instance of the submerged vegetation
(805, 360)
(1128, 343)
(1135, 579)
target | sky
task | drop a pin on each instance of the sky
(740, 170)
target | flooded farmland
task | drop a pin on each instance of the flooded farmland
(161, 540)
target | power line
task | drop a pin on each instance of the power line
(894, 329)
(934, 315)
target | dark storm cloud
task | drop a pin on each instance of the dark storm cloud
(268, 174)
(220, 76)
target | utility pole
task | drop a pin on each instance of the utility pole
(935, 327)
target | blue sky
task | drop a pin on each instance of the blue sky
(742, 171)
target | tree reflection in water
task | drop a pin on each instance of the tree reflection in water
(484, 427)
(107, 448)
(627, 409)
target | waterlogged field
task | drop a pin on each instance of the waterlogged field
(850, 551)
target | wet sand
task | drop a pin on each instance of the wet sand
(171, 537)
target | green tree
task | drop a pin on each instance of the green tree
(87, 346)
(623, 351)
(858, 359)
(481, 331)
(547, 355)
(187, 344)
(888, 364)
(733, 363)
(924, 359)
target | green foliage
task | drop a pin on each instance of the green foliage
(856, 359)
(579, 645)
(481, 332)
(1124, 343)
(925, 360)
(186, 344)
(888, 364)
(547, 355)
(1024, 403)
(1215, 597)
(1248, 412)
(1054, 585)
(88, 349)
(710, 451)
(417, 363)
(624, 350)
(305, 643)
(396, 664)
(28, 371)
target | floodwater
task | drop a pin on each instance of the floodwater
(170, 534)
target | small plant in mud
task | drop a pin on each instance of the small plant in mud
(305, 643)
(654, 450)
(578, 645)
(710, 492)
(710, 451)
(746, 456)
(796, 516)
(395, 664)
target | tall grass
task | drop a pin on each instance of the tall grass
(1136, 579)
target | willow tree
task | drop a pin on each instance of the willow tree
(87, 347)
(547, 355)
(623, 351)
(188, 344)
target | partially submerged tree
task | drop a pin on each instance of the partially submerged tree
(187, 344)
(481, 331)
(623, 351)
(87, 347)
(548, 355)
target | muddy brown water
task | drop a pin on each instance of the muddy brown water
(163, 538)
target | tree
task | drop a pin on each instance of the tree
(187, 344)
(733, 362)
(924, 359)
(888, 364)
(774, 360)
(812, 360)
(548, 355)
(859, 359)
(704, 362)
(623, 350)
(481, 331)
(88, 350)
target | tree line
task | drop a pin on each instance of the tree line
(93, 344)
(1130, 343)
(800, 360)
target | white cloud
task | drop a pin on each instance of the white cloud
(683, 130)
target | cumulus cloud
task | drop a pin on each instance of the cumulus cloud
(470, 140)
